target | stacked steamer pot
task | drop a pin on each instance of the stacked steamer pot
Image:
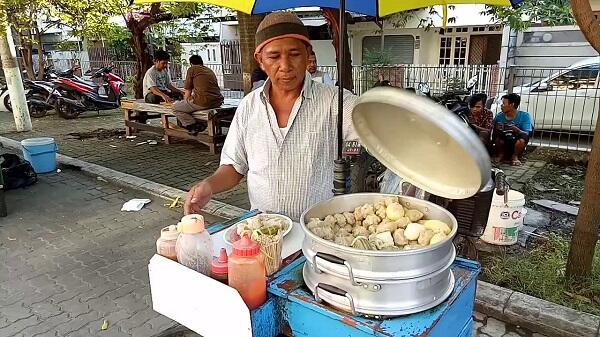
(428, 146)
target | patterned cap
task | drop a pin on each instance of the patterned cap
(280, 25)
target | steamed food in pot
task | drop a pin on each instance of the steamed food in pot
(383, 225)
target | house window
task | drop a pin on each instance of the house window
(460, 50)
(453, 50)
(445, 50)
(214, 55)
(400, 48)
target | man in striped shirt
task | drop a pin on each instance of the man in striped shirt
(283, 137)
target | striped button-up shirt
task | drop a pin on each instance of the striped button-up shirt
(287, 172)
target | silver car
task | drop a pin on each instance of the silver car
(566, 100)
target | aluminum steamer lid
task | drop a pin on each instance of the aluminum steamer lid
(422, 142)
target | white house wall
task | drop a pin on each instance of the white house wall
(543, 54)
(324, 51)
(209, 51)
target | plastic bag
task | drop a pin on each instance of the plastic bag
(391, 183)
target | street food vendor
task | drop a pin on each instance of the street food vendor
(283, 138)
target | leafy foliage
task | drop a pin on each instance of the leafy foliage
(377, 56)
(546, 12)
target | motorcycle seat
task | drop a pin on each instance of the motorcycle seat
(90, 83)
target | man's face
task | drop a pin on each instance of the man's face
(507, 106)
(312, 64)
(161, 65)
(285, 62)
(477, 108)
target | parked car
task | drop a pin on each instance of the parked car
(566, 100)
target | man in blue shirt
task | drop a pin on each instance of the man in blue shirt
(512, 129)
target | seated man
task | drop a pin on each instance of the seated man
(258, 78)
(157, 81)
(480, 118)
(201, 93)
(512, 129)
(317, 75)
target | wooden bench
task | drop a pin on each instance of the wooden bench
(216, 120)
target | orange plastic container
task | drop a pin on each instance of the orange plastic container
(165, 245)
(247, 272)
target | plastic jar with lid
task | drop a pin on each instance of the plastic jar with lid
(247, 272)
(165, 245)
(219, 270)
(194, 244)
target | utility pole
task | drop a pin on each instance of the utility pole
(16, 92)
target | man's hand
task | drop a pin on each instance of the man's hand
(187, 95)
(166, 98)
(515, 129)
(197, 198)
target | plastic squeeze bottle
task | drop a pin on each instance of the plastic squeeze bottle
(194, 245)
(247, 272)
(165, 245)
(219, 267)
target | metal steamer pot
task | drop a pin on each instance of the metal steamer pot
(383, 298)
(378, 282)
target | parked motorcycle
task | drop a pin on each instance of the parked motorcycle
(40, 94)
(79, 95)
(4, 95)
(457, 101)
(36, 94)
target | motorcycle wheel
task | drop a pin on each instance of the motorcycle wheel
(7, 104)
(363, 174)
(66, 111)
(38, 111)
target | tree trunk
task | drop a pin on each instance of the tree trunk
(25, 48)
(332, 17)
(40, 51)
(14, 82)
(587, 22)
(585, 234)
(138, 42)
(142, 57)
(248, 25)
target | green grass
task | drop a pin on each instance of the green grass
(540, 272)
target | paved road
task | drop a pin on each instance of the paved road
(100, 139)
(69, 259)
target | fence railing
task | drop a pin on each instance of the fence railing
(563, 103)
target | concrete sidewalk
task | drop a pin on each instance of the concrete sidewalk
(70, 259)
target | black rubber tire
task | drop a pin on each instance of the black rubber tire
(6, 103)
(358, 173)
(38, 112)
(363, 173)
(66, 111)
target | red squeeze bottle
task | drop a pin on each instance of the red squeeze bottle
(218, 269)
(247, 272)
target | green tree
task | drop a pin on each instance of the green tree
(585, 234)
(23, 17)
(141, 18)
(545, 12)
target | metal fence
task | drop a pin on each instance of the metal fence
(228, 76)
(563, 103)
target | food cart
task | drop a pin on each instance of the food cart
(327, 289)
